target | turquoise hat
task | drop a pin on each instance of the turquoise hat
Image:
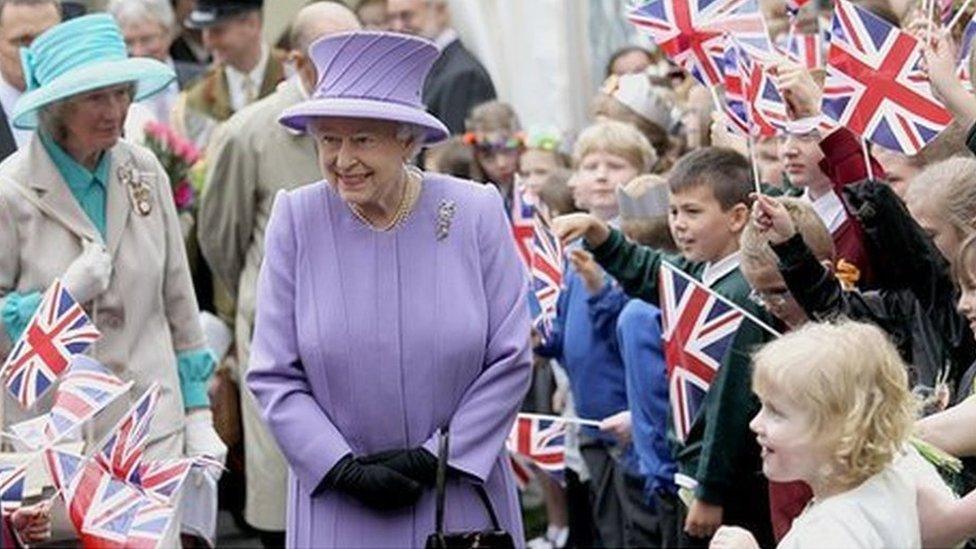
(78, 56)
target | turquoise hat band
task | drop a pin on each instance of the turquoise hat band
(56, 53)
(79, 56)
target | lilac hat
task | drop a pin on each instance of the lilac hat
(374, 75)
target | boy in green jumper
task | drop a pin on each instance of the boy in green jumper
(719, 460)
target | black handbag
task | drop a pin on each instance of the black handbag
(496, 538)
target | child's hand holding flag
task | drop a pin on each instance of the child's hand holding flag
(580, 225)
(770, 215)
(800, 91)
(619, 425)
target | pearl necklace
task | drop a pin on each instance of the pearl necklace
(408, 198)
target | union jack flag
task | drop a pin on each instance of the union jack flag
(736, 109)
(162, 479)
(540, 441)
(876, 85)
(522, 471)
(547, 271)
(63, 466)
(106, 511)
(102, 507)
(809, 50)
(85, 390)
(149, 525)
(966, 46)
(122, 453)
(523, 226)
(698, 328)
(31, 432)
(764, 106)
(12, 481)
(59, 330)
(690, 32)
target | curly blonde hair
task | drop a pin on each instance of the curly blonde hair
(852, 383)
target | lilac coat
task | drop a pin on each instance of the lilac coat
(367, 341)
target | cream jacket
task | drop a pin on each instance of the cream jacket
(149, 312)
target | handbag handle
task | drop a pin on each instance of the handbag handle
(441, 483)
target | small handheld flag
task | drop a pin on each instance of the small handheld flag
(59, 330)
(540, 441)
(876, 84)
(699, 326)
(547, 271)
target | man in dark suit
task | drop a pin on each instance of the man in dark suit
(457, 81)
(20, 22)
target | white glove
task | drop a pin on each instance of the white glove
(202, 439)
(89, 274)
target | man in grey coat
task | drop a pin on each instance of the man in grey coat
(253, 158)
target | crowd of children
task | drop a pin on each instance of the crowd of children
(836, 409)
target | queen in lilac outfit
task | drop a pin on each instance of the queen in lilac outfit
(390, 305)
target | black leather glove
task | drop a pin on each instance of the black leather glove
(374, 485)
(416, 463)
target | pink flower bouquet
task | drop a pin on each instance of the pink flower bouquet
(177, 155)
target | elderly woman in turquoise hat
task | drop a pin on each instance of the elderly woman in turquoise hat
(82, 205)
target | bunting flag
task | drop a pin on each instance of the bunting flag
(547, 271)
(876, 85)
(698, 328)
(541, 442)
(86, 389)
(59, 330)
(690, 32)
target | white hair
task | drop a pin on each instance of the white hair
(135, 11)
(413, 133)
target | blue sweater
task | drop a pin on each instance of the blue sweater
(642, 350)
(583, 340)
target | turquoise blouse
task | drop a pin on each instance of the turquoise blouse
(88, 188)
